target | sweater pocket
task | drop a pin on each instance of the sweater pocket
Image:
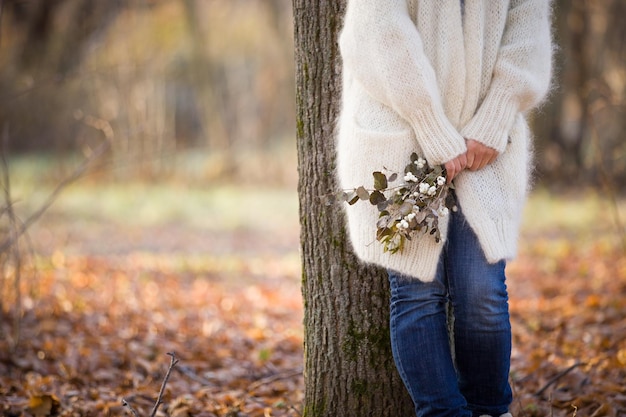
(372, 137)
(361, 151)
(372, 115)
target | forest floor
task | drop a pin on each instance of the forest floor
(115, 278)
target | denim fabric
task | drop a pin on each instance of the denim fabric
(477, 382)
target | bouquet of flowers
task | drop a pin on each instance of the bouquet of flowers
(413, 206)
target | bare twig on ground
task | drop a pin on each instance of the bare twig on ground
(189, 373)
(273, 378)
(557, 377)
(130, 407)
(159, 400)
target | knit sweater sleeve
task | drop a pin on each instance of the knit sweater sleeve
(521, 75)
(383, 51)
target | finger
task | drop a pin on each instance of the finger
(450, 170)
(473, 155)
(470, 159)
(488, 157)
(476, 162)
(482, 162)
(493, 158)
(462, 162)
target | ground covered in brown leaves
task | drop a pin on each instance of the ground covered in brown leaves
(98, 330)
(569, 329)
(105, 305)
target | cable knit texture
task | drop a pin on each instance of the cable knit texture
(423, 75)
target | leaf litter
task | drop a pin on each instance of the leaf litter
(96, 330)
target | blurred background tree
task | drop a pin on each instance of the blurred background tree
(580, 131)
(209, 80)
(206, 87)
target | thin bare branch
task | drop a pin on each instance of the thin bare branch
(189, 373)
(130, 407)
(557, 377)
(13, 232)
(273, 378)
(608, 183)
(159, 400)
(78, 172)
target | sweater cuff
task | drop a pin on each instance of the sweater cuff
(493, 121)
(438, 139)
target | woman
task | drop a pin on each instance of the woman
(451, 80)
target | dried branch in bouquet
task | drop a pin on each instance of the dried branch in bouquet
(411, 207)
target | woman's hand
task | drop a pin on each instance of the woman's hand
(454, 166)
(479, 155)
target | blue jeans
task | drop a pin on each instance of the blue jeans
(476, 381)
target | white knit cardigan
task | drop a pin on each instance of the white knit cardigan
(422, 75)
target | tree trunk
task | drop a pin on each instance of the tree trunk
(349, 369)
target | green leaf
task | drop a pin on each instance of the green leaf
(412, 168)
(352, 197)
(377, 197)
(380, 180)
(383, 232)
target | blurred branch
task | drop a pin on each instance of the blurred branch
(130, 407)
(189, 373)
(13, 231)
(273, 378)
(557, 377)
(606, 179)
(78, 172)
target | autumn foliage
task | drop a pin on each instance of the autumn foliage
(100, 315)
(97, 331)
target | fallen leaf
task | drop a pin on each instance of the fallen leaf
(43, 405)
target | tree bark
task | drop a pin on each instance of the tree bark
(349, 370)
